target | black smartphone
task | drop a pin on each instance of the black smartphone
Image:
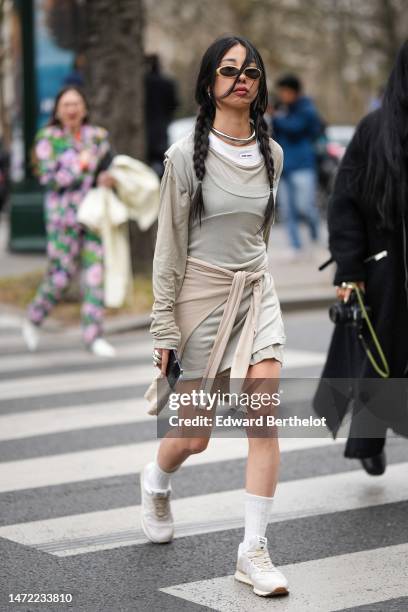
(174, 369)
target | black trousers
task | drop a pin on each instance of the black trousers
(368, 427)
(359, 448)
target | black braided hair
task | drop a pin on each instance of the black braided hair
(262, 132)
(201, 143)
(204, 95)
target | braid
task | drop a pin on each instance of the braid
(201, 144)
(264, 145)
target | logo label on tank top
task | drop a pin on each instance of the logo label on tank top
(246, 155)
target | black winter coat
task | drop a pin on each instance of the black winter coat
(353, 236)
(161, 100)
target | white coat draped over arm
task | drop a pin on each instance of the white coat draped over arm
(107, 212)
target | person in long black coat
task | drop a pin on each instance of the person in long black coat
(367, 217)
(161, 101)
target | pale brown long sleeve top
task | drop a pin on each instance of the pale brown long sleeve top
(234, 198)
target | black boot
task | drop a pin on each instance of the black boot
(375, 465)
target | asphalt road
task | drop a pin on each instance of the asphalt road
(74, 436)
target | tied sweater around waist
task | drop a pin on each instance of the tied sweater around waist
(215, 301)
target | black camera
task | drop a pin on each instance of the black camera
(348, 312)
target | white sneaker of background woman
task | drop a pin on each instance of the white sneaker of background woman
(31, 335)
(101, 348)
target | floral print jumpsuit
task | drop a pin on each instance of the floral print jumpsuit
(69, 244)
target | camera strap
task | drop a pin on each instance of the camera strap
(384, 373)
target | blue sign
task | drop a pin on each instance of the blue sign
(52, 65)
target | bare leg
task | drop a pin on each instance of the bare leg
(174, 451)
(263, 452)
(254, 565)
(182, 442)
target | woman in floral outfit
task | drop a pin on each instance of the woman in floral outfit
(70, 155)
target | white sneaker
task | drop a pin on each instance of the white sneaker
(255, 567)
(31, 335)
(156, 517)
(102, 348)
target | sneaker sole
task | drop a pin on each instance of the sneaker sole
(241, 577)
(149, 537)
(144, 528)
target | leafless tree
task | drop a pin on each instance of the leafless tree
(5, 119)
(342, 49)
(109, 36)
(113, 48)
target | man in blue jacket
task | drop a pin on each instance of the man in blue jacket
(296, 126)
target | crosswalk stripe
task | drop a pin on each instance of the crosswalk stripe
(89, 532)
(78, 381)
(19, 425)
(121, 460)
(298, 359)
(46, 422)
(72, 354)
(10, 322)
(81, 381)
(11, 342)
(35, 361)
(338, 582)
(54, 341)
(331, 583)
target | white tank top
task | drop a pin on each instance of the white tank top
(248, 155)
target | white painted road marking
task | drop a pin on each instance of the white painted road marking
(76, 381)
(321, 585)
(121, 460)
(35, 361)
(82, 533)
(52, 421)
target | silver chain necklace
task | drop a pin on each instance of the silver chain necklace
(233, 138)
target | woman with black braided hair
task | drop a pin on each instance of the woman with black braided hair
(215, 300)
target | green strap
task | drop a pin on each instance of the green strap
(386, 372)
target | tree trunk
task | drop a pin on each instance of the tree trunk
(113, 49)
(389, 19)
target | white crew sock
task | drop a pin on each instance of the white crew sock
(257, 512)
(157, 479)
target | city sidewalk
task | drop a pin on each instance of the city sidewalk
(300, 285)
